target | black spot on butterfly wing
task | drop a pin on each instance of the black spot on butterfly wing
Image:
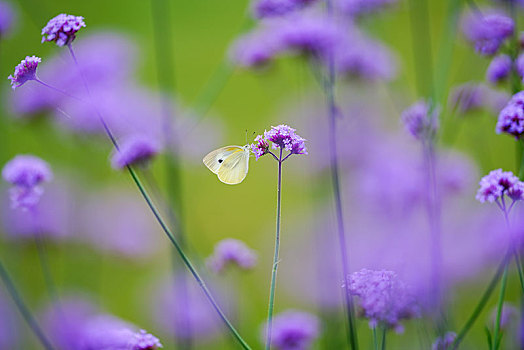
(220, 160)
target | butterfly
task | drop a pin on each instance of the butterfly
(230, 163)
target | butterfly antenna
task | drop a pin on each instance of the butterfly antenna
(246, 136)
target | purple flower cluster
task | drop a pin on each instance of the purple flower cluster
(499, 69)
(487, 30)
(497, 184)
(421, 120)
(26, 173)
(134, 150)
(511, 118)
(444, 342)
(145, 341)
(294, 330)
(231, 251)
(7, 18)
(62, 29)
(363, 7)
(473, 96)
(281, 136)
(276, 8)
(383, 298)
(24, 71)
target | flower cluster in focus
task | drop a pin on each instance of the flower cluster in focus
(281, 136)
(497, 184)
(511, 118)
(24, 71)
(231, 251)
(62, 29)
(26, 173)
(383, 298)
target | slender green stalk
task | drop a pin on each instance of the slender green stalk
(23, 309)
(375, 339)
(499, 308)
(274, 270)
(482, 302)
(162, 223)
(384, 331)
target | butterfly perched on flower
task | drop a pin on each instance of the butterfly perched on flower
(230, 163)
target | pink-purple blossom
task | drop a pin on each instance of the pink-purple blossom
(497, 184)
(294, 330)
(285, 137)
(24, 71)
(144, 341)
(134, 150)
(511, 118)
(421, 120)
(487, 30)
(232, 252)
(260, 146)
(383, 298)
(499, 69)
(62, 29)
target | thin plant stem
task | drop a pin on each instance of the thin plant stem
(274, 270)
(162, 223)
(58, 90)
(329, 89)
(23, 309)
(482, 302)
(499, 308)
(384, 332)
(44, 260)
(375, 339)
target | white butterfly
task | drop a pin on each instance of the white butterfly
(230, 163)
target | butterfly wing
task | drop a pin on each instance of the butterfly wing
(234, 168)
(214, 160)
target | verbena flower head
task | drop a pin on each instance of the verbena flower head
(255, 49)
(145, 341)
(444, 342)
(497, 184)
(62, 29)
(232, 251)
(26, 173)
(276, 8)
(134, 150)
(383, 298)
(499, 69)
(511, 118)
(285, 137)
(7, 18)
(260, 146)
(363, 7)
(487, 30)
(24, 71)
(294, 330)
(421, 120)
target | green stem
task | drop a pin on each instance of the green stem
(482, 302)
(384, 330)
(500, 304)
(375, 340)
(23, 309)
(519, 269)
(161, 222)
(274, 270)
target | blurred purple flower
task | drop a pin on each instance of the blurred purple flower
(181, 309)
(24, 71)
(62, 29)
(421, 120)
(26, 173)
(294, 330)
(260, 146)
(109, 332)
(499, 69)
(52, 216)
(508, 315)
(64, 321)
(365, 58)
(275, 8)
(7, 18)
(383, 298)
(255, 49)
(232, 251)
(120, 223)
(487, 30)
(472, 97)
(285, 137)
(445, 342)
(498, 183)
(134, 150)
(363, 7)
(511, 118)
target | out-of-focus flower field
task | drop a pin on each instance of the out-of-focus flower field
(386, 136)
